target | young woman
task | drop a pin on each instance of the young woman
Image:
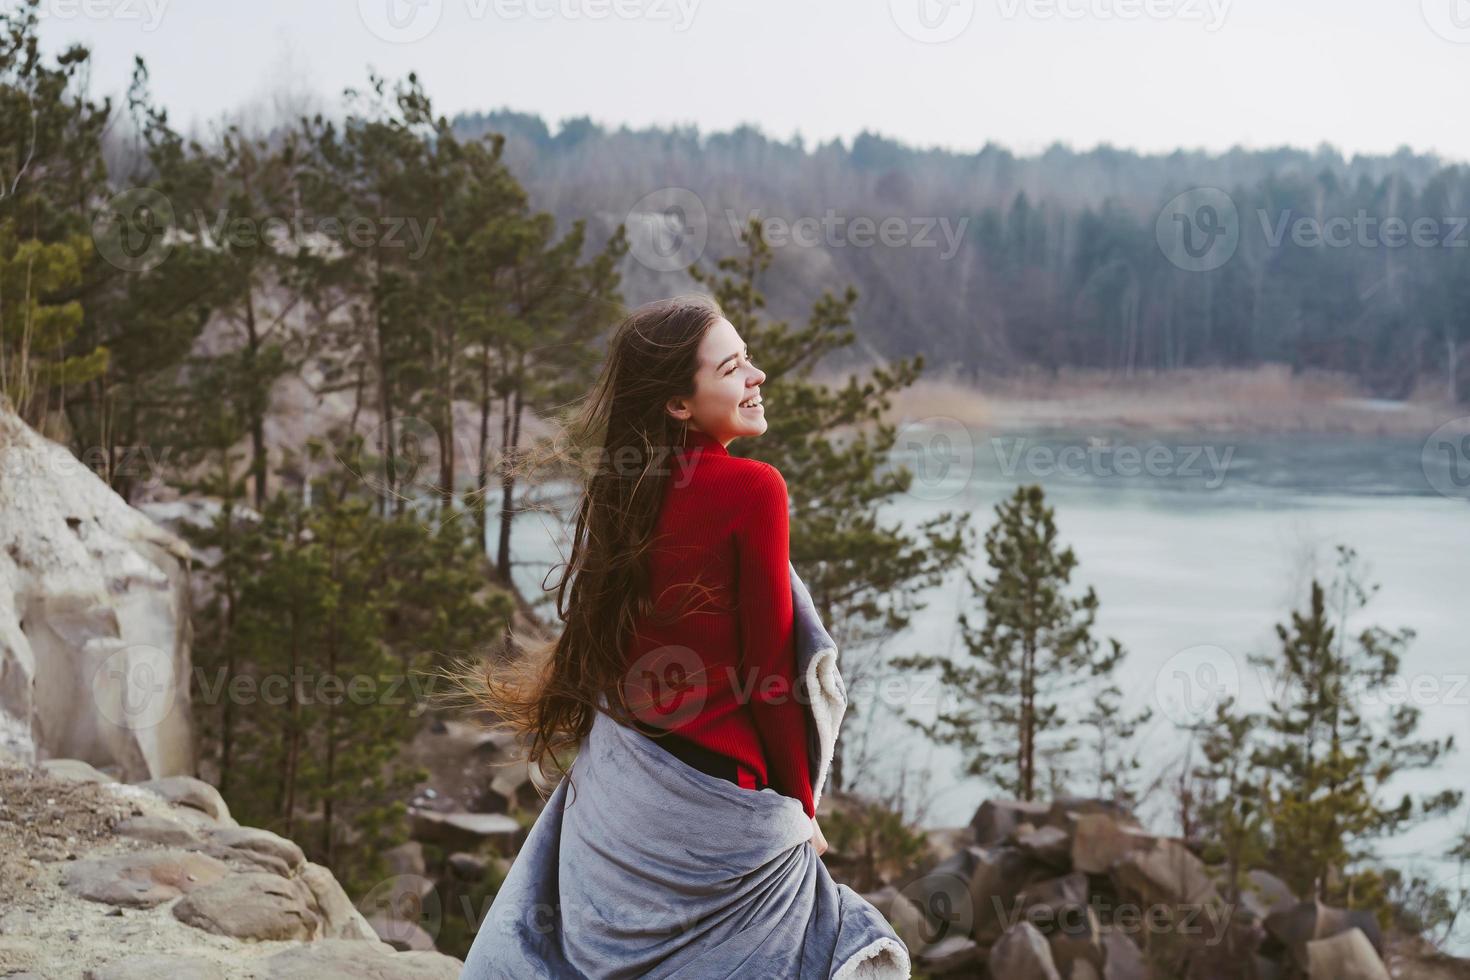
(680, 611)
(676, 674)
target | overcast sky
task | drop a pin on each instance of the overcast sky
(1153, 75)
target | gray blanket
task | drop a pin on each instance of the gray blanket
(653, 868)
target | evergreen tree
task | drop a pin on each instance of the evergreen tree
(1116, 758)
(555, 309)
(50, 167)
(250, 207)
(147, 307)
(1229, 804)
(365, 176)
(1330, 754)
(35, 330)
(1033, 651)
(330, 618)
(473, 199)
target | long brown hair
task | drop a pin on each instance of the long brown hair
(548, 691)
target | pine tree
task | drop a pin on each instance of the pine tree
(1329, 754)
(34, 329)
(50, 170)
(556, 308)
(148, 316)
(330, 617)
(372, 170)
(1113, 729)
(1033, 651)
(473, 199)
(1229, 804)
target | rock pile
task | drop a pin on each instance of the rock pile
(1079, 890)
(113, 881)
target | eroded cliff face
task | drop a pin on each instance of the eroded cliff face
(94, 619)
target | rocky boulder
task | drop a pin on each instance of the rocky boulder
(997, 820)
(1296, 927)
(1022, 954)
(1347, 956)
(141, 879)
(1100, 840)
(117, 881)
(94, 618)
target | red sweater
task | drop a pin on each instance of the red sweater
(722, 673)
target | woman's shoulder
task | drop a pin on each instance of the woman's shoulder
(757, 472)
(741, 482)
(760, 490)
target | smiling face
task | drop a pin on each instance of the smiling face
(725, 377)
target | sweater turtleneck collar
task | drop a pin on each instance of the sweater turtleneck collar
(696, 439)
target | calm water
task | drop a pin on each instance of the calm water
(1196, 547)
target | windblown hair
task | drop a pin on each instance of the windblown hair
(548, 691)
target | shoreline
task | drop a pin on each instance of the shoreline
(1262, 401)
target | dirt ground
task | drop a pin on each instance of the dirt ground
(43, 819)
(46, 930)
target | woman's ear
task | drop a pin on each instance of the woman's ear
(678, 409)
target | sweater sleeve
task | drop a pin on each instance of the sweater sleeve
(767, 637)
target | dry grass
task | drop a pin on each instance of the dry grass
(1266, 399)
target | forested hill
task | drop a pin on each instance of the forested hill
(997, 261)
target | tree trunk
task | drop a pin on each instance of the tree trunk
(329, 794)
(256, 401)
(482, 481)
(385, 402)
(446, 428)
(507, 483)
